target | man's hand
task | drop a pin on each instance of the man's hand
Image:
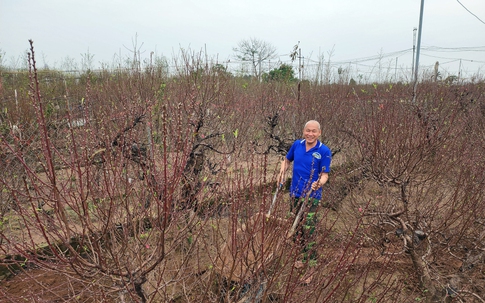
(281, 179)
(321, 181)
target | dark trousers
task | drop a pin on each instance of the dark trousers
(305, 233)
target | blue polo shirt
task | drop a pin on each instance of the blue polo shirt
(307, 167)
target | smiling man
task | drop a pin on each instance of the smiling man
(311, 165)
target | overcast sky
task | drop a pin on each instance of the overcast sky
(349, 30)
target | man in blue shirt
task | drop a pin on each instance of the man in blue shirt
(311, 165)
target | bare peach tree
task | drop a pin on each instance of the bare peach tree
(96, 202)
(108, 195)
(426, 203)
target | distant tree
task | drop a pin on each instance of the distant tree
(221, 70)
(450, 79)
(255, 52)
(283, 73)
(2, 57)
(87, 61)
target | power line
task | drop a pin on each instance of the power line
(454, 59)
(455, 49)
(370, 58)
(470, 11)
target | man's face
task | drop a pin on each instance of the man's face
(311, 133)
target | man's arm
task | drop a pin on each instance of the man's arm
(285, 164)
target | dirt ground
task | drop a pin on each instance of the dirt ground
(42, 285)
(60, 285)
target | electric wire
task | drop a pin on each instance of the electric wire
(455, 49)
(454, 59)
(470, 11)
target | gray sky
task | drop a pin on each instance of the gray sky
(343, 31)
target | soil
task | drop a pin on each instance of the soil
(43, 285)
(30, 284)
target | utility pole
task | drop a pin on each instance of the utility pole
(459, 71)
(395, 71)
(302, 68)
(299, 64)
(418, 50)
(414, 51)
(299, 72)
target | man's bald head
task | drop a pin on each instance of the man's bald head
(312, 122)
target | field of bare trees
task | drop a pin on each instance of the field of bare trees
(138, 186)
